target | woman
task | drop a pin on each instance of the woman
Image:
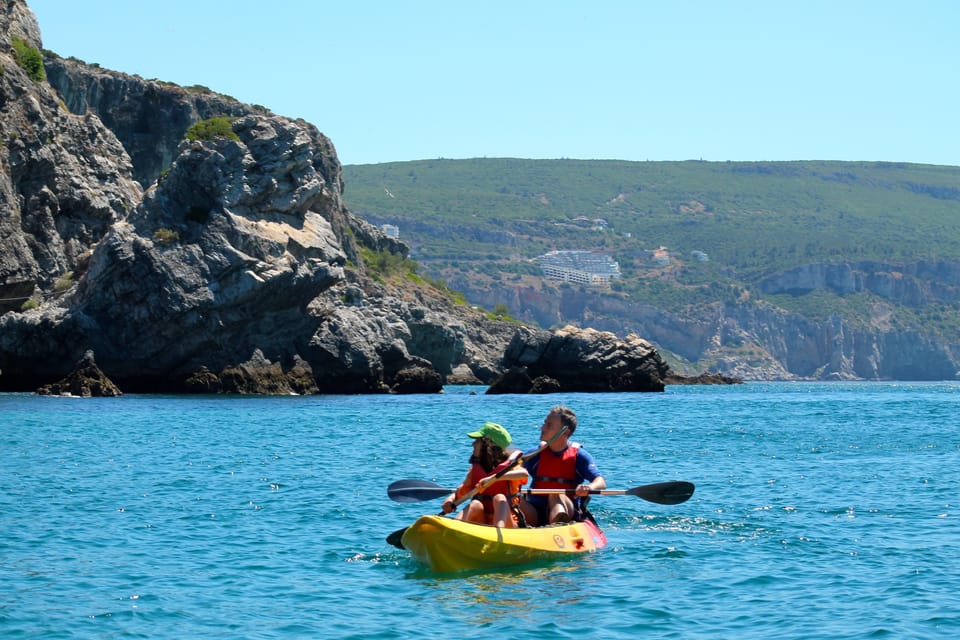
(496, 498)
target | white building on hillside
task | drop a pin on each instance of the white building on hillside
(392, 230)
(580, 267)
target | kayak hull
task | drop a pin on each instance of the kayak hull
(447, 545)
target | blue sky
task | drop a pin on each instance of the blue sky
(631, 80)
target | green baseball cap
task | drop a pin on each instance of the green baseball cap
(493, 432)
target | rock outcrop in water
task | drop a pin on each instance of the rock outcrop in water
(86, 381)
(579, 360)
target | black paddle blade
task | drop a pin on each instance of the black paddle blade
(395, 538)
(416, 491)
(664, 492)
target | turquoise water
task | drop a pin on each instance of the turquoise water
(821, 511)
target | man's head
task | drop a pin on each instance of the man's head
(559, 416)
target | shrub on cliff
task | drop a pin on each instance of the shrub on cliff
(29, 58)
(64, 282)
(218, 127)
(164, 236)
(386, 264)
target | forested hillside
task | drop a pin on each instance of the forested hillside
(728, 254)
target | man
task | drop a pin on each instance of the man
(562, 465)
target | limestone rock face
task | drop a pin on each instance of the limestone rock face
(754, 340)
(913, 285)
(217, 262)
(229, 277)
(237, 270)
(148, 117)
(579, 360)
(17, 20)
(64, 179)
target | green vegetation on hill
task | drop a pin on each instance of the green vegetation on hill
(752, 217)
(489, 217)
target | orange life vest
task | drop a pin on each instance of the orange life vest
(509, 488)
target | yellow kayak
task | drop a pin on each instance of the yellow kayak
(447, 545)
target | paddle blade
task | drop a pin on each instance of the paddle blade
(396, 537)
(416, 491)
(664, 492)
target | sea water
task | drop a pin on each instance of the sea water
(821, 511)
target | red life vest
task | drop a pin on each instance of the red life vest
(557, 471)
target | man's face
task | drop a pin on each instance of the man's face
(551, 424)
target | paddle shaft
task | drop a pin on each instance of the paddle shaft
(672, 492)
(593, 492)
(421, 492)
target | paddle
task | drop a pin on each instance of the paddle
(416, 491)
(395, 537)
(660, 493)
(673, 492)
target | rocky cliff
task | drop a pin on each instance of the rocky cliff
(64, 179)
(148, 117)
(756, 340)
(219, 264)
